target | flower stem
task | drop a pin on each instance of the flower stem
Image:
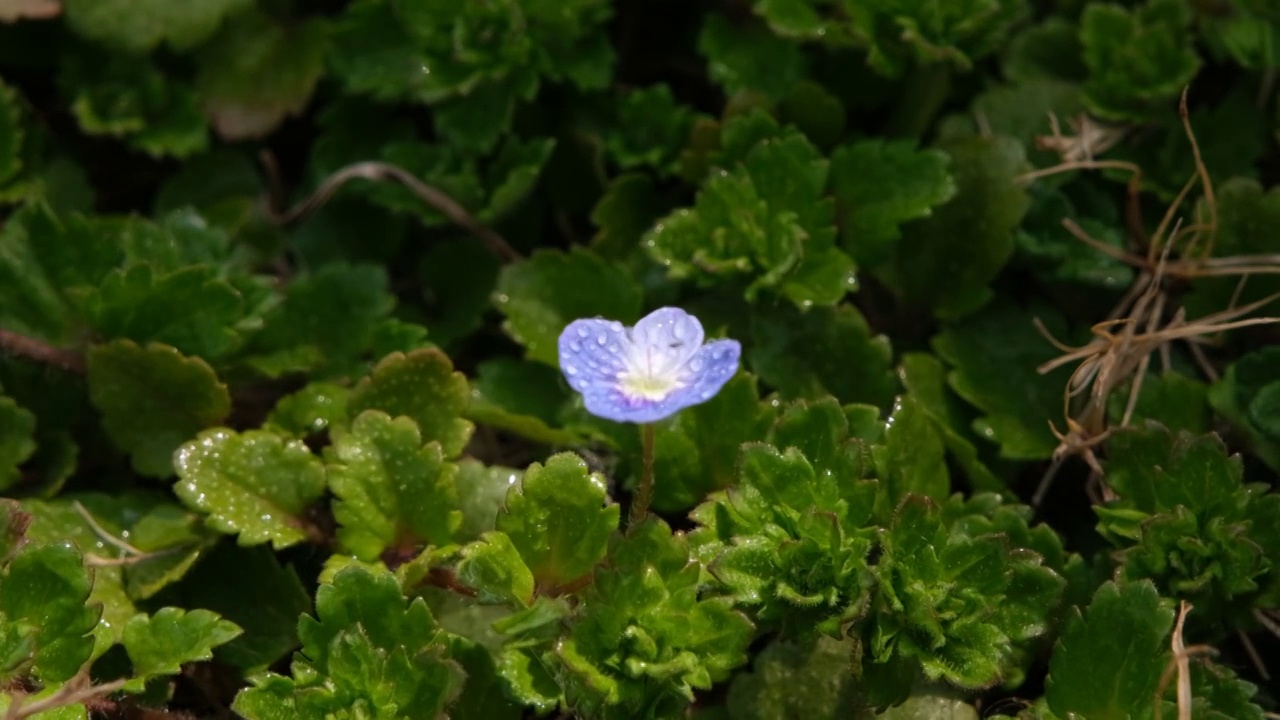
(640, 505)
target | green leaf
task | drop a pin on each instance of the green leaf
(314, 409)
(156, 541)
(766, 222)
(129, 97)
(11, 134)
(327, 320)
(924, 378)
(255, 485)
(822, 667)
(256, 72)
(560, 519)
(521, 397)
(1171, 398)
(459, 276)
(1108, 662)
(651, 130)
(192, 309)
(161, 643)
(140, 27)
(13, 528)
(960, 602)
(879, 185)
(44, 622)
(994, 356)
(696, 452)
(911, 458)
(1244, 210)
(367, 650)
(493, 567)
(1057, 256)
(392, 491)
(749, 57)
(17, 440)
(43, 258)
(644, 641)
(541, 295)
(945, 262)
(423, 386)
(153, 399)
(1140, 60)
(842, 357)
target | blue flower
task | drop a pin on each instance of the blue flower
(648, 372)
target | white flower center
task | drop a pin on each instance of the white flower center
(646, 386)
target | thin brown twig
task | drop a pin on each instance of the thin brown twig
(41, 352)
(76, 691)
(382, 172)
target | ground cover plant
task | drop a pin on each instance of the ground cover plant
(724, 360)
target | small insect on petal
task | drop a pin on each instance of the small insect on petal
(647, 372)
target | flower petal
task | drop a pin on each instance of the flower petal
(591, 353)
(709, 369)
(714, 365)
(663, 341)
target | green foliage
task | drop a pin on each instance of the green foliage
(153, 399)
(391, 491)
(253, 485)
(367, 652)
(283, 432)
(763, 220)
(1185, 520)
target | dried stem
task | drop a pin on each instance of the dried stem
(41, 352)
(75, 691)
(382, 172)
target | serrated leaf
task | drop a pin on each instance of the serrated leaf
(164, 542)
(945, 262)
(192, 310)
(153, 399)
(492, 565)
(267, 609)
(393, 492)
(423, 386)
(161, 643)
(128, 97)
(749, 57)
(136, 28)
(843, 357)
(544, 293)
(1108, 661)
(312, 410)
(45, 625)
(11, 134)
(822, 666)
(256, 72)
(1138, 60)
(560, 519)
(17, 440)
(994, 356)
(651, 130)
(367, 647)
(521, 397)
(696, 452)
(766, 222)
(459, 276)
(42, 258)
(326, 321)
(255, 484)
(1171, 398)
(911, 457)
(924, 378)
(879, 185)
(645, 641)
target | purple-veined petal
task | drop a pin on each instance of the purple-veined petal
(663, 342)
(706, 372)
(591, 354)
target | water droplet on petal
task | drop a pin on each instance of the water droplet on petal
(575, 346)
(583, 332)
(601, 339)
(705, 394)
(696, 365)
(570, 370)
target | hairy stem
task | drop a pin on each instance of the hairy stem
(644, 494)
